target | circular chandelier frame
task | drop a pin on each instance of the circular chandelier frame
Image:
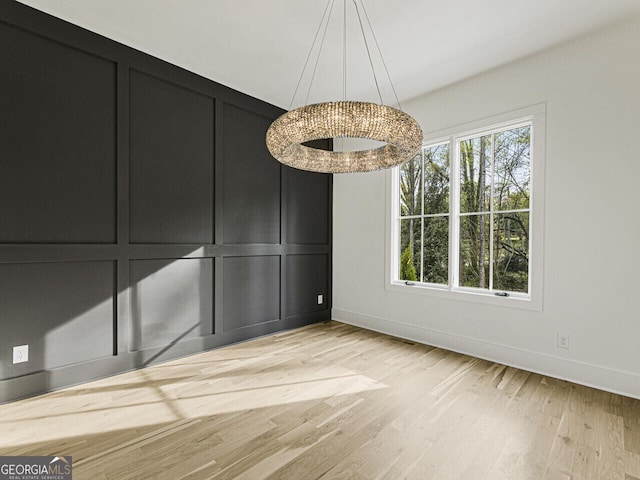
(344, 119)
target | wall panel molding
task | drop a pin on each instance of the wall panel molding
(175, 238)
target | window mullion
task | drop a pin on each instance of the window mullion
(422, 216)
(491, 208)
(454, 212)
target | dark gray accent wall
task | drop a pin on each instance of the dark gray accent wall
(164, 310)
(171, 162)
(307, 277)
(251, 202)
(251, 290)
(53, 307)
(141, 215)
(57, 140)
(308, 199)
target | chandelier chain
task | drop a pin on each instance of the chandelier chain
(366, 44)
(344, 49)
(315, 67)
(384, 64)
(306, 63)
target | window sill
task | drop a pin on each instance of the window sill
(523, 302)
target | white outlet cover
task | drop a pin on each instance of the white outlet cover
(21, 354)
(320, 299)
(563, 341)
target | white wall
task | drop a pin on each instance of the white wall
(591, 87)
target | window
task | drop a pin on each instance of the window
(424, 216)
(463, 214)
(493, 220)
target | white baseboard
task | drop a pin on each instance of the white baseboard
(603, 378)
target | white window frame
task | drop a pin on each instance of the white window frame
(534, 115)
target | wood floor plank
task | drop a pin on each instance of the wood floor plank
(330, 401)
(631, 413)
(632, 463)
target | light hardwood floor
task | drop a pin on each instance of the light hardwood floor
(330, 401)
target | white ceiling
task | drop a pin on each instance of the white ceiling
(259, 46)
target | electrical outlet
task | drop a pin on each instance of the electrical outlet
(21, 354)
(320, 299)
(563, 340)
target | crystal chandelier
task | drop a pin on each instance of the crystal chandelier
(400, 133)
